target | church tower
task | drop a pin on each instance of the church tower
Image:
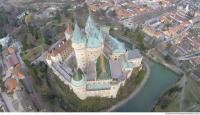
(78, 43)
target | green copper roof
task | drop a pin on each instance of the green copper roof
(125, 63)
(95, 38)
(79, 79)
(98, 86)
(77, 36)
(93, 42)
(115, 45)
(90, 25)
(78, 75)
(100, 36)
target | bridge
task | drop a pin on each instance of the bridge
(190, 56)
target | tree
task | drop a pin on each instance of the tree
(66, 11)
(126, 32)
(28, 18)
(167, 58)
(47, 41)
(1, 48)
(58, 16)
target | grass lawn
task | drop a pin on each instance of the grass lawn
(33, 53)
(191, 98)
(173, 106)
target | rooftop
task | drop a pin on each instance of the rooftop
(132, 54)
(115, 69)
(115, 45)
(77, 36)
(98, 86)
(13, 60)
(91, 71)
(11, 85)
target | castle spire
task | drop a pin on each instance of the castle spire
(68, 32)
(78, 75)
(77, 36)
(68, 29)
(90, 25)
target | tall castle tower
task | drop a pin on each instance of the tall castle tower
(87, 47)
(78, 43)
(94, 40)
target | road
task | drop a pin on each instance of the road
(183, 84)
(28, 86)
(141, 18)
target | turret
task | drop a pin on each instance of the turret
(79, 79)
(78, 43)
(78, 38)
(68, 32)
(94, 40)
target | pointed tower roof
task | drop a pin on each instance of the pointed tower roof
(90, 25)
(68, 29)
(77, 36)
(100, 36)
(115, 45)
(94, 34)
(93, 43)
(78, 75)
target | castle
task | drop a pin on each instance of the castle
(102, 63)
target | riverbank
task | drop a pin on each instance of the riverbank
(135, 92)
(155, 56)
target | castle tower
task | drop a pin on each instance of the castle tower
(68, 32)
(79, 79)
(94, 40)
(78, 43)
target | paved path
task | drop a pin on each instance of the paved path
(136, 91)
(28, 86)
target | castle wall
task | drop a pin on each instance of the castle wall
(67, 36)
(115, 56)
(93, 53)
(56, 58)
(136, 62)
(80, 53)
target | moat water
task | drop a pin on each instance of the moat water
(160, 79)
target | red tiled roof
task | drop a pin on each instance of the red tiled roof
(11, 50)
(12, 60)
(11, 85)
(20, 75)
(60, 48)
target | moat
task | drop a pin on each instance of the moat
(160, 79)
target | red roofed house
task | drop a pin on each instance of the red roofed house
(12, 60)
(11, 85)
(11, 50)
(20, 75)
